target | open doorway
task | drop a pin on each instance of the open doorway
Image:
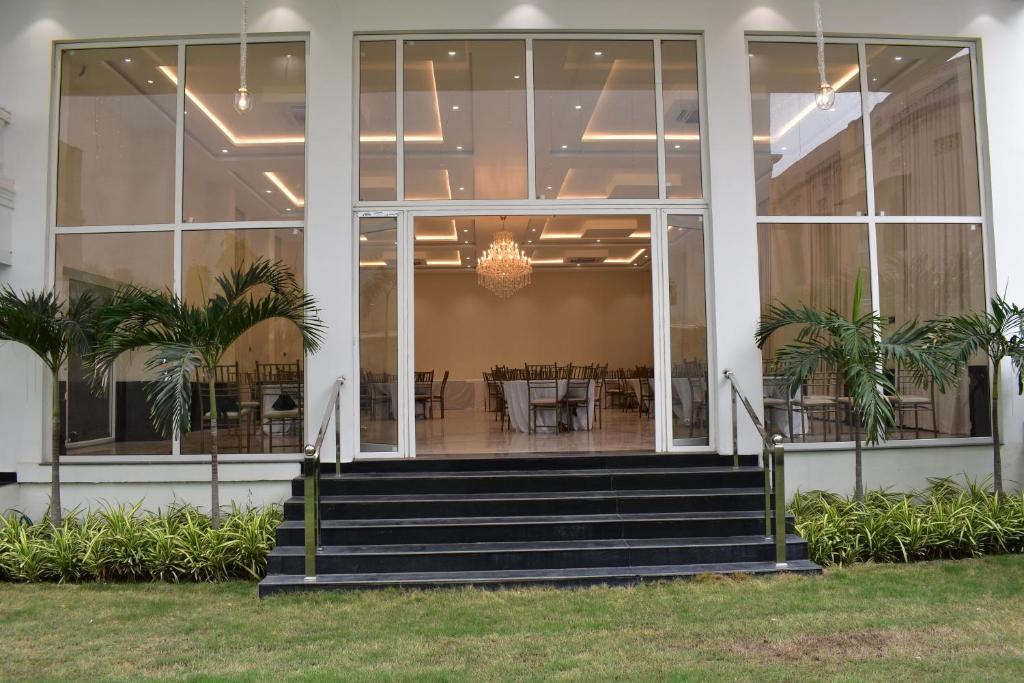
(557, 357)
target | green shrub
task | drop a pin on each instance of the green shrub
(119, 543)
(945, 521)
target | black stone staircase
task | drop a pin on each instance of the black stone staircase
(555, 520)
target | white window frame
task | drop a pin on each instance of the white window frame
(178, 227)
(871, 220)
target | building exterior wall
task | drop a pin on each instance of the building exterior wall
(29, 29)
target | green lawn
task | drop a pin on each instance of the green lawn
(945, 620)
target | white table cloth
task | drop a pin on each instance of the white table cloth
(517, 396)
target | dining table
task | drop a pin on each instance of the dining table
(518, 395)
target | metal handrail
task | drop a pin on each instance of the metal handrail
(311, 477)
(773, 461)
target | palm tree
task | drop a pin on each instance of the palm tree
(182, 338)
(853, 348)
(51, 330)
(999, 334)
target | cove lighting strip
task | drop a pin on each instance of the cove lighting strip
(627, 259)
(237, 140)
(273, 177)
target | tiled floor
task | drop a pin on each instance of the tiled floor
(473, 431)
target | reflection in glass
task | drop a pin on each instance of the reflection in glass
(244, 167)
(465, 119)
(688, 338)
(922, 131)
(377, 128)
(816, 266)
(260, 379)
(99, 264)
(807, 162)
(115, 153)
(926, 272)
(596, 136)
(378, 334)
(682, 119)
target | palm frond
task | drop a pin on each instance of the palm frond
(169, 395)
(38, 321)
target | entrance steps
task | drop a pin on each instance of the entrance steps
(550, 520)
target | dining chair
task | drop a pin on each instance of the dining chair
(600, 378)
(776, 400)
(228, 392)
(424, 383)
(439, 396)
(283, 382)
(914, 399)
(698, 403)
(577, 393)
(819, 396)
(646, 398)
(541, 394)
(613, 388)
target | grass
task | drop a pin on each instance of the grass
(945, 620)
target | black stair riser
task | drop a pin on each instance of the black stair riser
(555, 482)
(548, 559)
(513, 507)
(497, 533)
(546, 462)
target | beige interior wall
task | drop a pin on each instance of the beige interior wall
(584, 316)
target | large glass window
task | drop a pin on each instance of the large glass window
(378, 334)
(260, 383)
(926, 271)
(924, 162)
(115, 149)
(99, 264)
(465, 119)
(807, 162)
(682, 119)
(595, 122)
(244, 167)
(922, 131)
(378, 148)
(118, 168)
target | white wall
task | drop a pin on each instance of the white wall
(28, 28)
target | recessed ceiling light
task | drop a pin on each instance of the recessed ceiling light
(874, 79)
(287, 208)
(128, 60)
(451, 53)
(516, 76)
(268, 191)
(462, 189)
(150, 81)
(458, 147)
(466, 242)
(565, 146)
(783, 148)
(465, 230)
(678, 146)
(598, 240)
(223, 151)
(598, 53)
(529, 241)
(898, 58)
(750, 54)
(579, 106)
(455, 107)
(549, 187)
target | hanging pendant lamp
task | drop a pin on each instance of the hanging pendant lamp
(243, 100)
(826, 95)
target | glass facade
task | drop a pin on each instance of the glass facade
(117, 154)
(924, 162)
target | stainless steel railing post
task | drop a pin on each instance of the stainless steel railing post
(779, 480)
(735, 427)
(311, 524)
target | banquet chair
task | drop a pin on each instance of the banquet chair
(280, 381)
(698, 403)
(577, 393)
(439, 396)
(613, 388)
(777, 399)
(541, 393)
(646, 398)
(424, 382)
(909, 399)
(600, 378)
(819, 396)
(491, 404)
(228, 392)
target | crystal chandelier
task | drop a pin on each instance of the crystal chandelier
(503, 268)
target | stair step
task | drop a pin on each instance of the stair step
(533, 555)
(538, 461)
(500, 481)
(477, 529)
(522, 503)
(279, 583)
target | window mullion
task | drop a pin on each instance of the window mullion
(869, 178)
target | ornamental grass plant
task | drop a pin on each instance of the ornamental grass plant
(121, 543)
(947, 520)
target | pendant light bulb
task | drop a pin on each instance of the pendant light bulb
(243, 101)
(825, 98)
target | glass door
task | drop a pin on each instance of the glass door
(688, 394)
(379, 302)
